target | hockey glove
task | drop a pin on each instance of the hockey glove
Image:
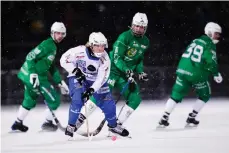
(143, 76)
(63, 88)
(130, 76)
(33, 79)
(80, 77)
(218, 78)
(86, 95)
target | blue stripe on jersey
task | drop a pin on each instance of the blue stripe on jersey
(90, 56)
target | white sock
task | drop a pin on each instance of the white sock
(198, 105)
(48, 115)
(22, 113)
(125, 113)
(91, 107)
(170, 105)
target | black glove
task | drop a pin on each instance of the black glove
(130, 77)
(86, 95)
(80, 77)
(143, 76)
(129, 74)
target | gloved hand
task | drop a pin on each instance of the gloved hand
(218, 78)
(80, 77)
(63, 88)
(130, 76)
(86, 95)
(33, 79)
(143, 76)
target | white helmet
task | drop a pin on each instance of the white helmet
(210, 29)
(97, 38)
(140, 19)
(58, 27)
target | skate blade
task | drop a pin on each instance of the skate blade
(161, 127)
(46, 131)
(111, 135)
(190, 126)
(15, 131)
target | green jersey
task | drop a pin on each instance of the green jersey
(128, 53)
(40, 60)
(199, 60)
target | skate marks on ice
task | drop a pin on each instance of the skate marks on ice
(210, 136)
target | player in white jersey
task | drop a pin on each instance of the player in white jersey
(89, 68)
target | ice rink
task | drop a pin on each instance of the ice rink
(211, 136)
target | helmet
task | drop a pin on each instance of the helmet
(97, 38)
(140, 19)
(58, 27)
(210, 29)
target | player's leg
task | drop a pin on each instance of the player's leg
(133, 100)
(29, 102)
(203, 91)
(179, 90)
(91, 104)
(91, 107)
(52, 98)
(107, 104)
(76, 91)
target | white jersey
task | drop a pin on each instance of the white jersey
(95, 69)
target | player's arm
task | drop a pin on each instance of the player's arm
(211, 61)
(45, 61)
(120, 49)
(67, 60)
(212, 65)
(31, 60)
(55, 74)
(58, 80)
(139, 67)
(103, 73)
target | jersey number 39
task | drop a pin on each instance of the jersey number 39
(195, 51)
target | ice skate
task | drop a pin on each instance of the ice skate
(191, 121)
(19, 126)
(49, 126)
(118, 131)
(163, 122)
(70, 129)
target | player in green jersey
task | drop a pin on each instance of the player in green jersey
(197, 64)
(126, 59)
(34, 72)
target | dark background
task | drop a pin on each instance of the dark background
(172, 26)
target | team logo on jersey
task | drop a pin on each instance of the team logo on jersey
(31, 56)
(131, 52)
(91, 68)
(51, 57)
(37, 51)
(80, 57)
(135, 44)
(213, 55)
(143, 46)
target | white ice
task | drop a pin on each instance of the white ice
(211, 136)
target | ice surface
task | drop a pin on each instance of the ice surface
(211, 136)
